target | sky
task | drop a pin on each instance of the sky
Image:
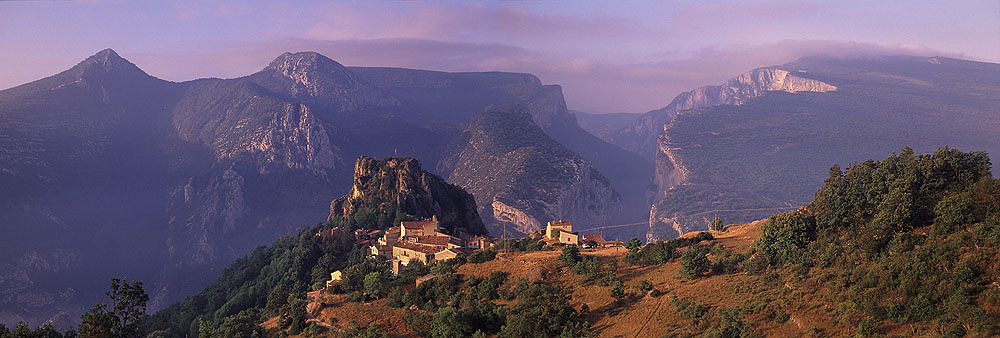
(608, 56)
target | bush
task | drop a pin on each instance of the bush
(780, 316)
(419, 322)
(644, 286)
(395, 297)
(867, 327)
(694, 261)
(618, 293)
(784, 237)
(541, 310)
(570, 255)
(690, 310)
(482, 256)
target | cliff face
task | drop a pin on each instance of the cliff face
(641, 136)
(239, 122)
(397, 186)
(522, 178)
(775, 133)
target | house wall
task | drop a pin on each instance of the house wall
(569, 238)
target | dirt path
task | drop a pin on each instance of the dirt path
(651, 314)
(315, 305)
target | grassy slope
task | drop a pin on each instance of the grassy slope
(647, 316)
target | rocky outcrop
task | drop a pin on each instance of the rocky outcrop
(641, 136)
(316, 79)
(523, 178)
(397, 187)
(670, 172)
(239, 123)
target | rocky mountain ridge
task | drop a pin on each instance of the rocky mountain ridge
(103, 158)
(399, 187)
(640, 136)
(741, 162)
(525, 181)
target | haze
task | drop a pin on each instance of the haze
(622, 56)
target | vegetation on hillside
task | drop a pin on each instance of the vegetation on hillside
(912, 239)
(903, 246)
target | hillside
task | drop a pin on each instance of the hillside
(895, 264)
(768, 154)
(522, 178)
(906, 246)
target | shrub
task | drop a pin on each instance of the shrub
(482, 256)
(570, 255)
(395, 297)
(419, 322)
(644, 286)
(694, 261)
(784, 237)
(780, 316)
(655, 293)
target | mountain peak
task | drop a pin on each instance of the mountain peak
(302, 62)
(317, 78)
(106, 61)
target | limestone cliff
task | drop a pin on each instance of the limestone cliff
(522, 178)
(316, 79)
(641, 136)
(397, 187)
(238, 122)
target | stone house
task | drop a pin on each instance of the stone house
(569, 238)
(335, 276)
(552, 228)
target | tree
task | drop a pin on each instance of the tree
(570, 255)
(784, 236)
(375, 284)
(122, 319)
(633, 245)
(694, 261)
(717, 224)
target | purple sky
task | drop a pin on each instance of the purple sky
(609, 56)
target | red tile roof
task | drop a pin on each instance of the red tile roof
(418, 248)
(418, 224)
(438, 240)
(597, 239)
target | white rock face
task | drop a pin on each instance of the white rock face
(641, 136)
(294, 139)
(521, 221)
(759, 81)
(670, 170)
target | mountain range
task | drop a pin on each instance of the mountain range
(109, 171)
(759, 143)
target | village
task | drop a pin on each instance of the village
(424, 242)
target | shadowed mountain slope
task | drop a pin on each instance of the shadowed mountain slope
(523, 178)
